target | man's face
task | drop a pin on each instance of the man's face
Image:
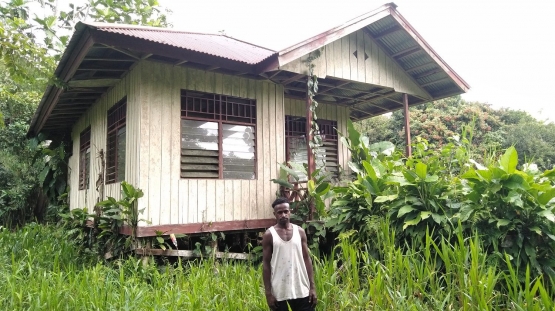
(282, 213)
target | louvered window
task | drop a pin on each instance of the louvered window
(84, 158)
(115, 143)
(218, 136)
(295, 136)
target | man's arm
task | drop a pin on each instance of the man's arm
(309, 269)
(267, 250)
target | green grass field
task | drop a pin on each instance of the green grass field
(41, 270)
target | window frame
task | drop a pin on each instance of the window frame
(84, 163)
(295, 127)
(221, 118)
(116, 120)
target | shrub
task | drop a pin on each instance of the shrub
(100, 232)
(511, 210)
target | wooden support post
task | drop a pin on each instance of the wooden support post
(310, 155)
(407, 125)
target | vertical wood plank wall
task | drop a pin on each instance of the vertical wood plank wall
(96, 118)
(172, 200)
(295, 107)
(337, 59)
(153, 145)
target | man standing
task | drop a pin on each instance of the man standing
(287, 267)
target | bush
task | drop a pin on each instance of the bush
(436, 192)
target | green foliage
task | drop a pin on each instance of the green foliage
(21, 199)
(207, 247)
(31, 43)
(492, 130)
(53, 175)
(359, 205)
(439, 192)
(312, 86)
(378, 129)
(113, 215)
(146, 13)
(24, 53)
(43, 269)
(534, 140)
(318, 192)
(24, 61)
(43, 248)
(33, 173)
(99, 233)
(19, 192)
(513, 210)
(163, 241)
(428, 189)
(439, 120)
(78, 230)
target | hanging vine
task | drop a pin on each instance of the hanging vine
(312, 84)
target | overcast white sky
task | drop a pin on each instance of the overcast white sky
(505, 49)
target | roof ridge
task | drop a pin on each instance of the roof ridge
(246, 42)
(141, 27)
(353, 20)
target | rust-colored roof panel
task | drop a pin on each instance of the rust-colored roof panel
(212, 44)
(83, 62)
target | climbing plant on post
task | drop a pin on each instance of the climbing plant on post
(315, 141)
(313, 131)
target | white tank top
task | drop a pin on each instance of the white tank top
(289, 275)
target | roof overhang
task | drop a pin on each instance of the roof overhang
(96, 59)
(100, 55)
(406, 47)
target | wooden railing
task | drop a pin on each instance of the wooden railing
(298, 193)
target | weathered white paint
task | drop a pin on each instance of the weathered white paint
(172, 200)
(153, 146)
(337, 60)
(96, 118)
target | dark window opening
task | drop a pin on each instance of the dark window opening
(115, 143)
(218, 136)
(84, 158)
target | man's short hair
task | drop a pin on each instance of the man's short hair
(279, 201)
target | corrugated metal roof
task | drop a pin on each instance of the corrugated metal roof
(382, 25)
(418, 59)
(441, 86)
(227, 55)
(212, 44)
(398, 41)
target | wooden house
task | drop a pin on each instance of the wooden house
(200, 122)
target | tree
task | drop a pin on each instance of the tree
(490, 130)
(32, 40)
(25, 61)
(378, 128)
(439, 120)
(533, 139)
(31, 46)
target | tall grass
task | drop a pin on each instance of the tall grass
(42, 270)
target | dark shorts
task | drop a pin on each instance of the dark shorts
(301, 304)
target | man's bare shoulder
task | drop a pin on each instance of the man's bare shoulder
(302, 232)
(300, 228)
(267, 235)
